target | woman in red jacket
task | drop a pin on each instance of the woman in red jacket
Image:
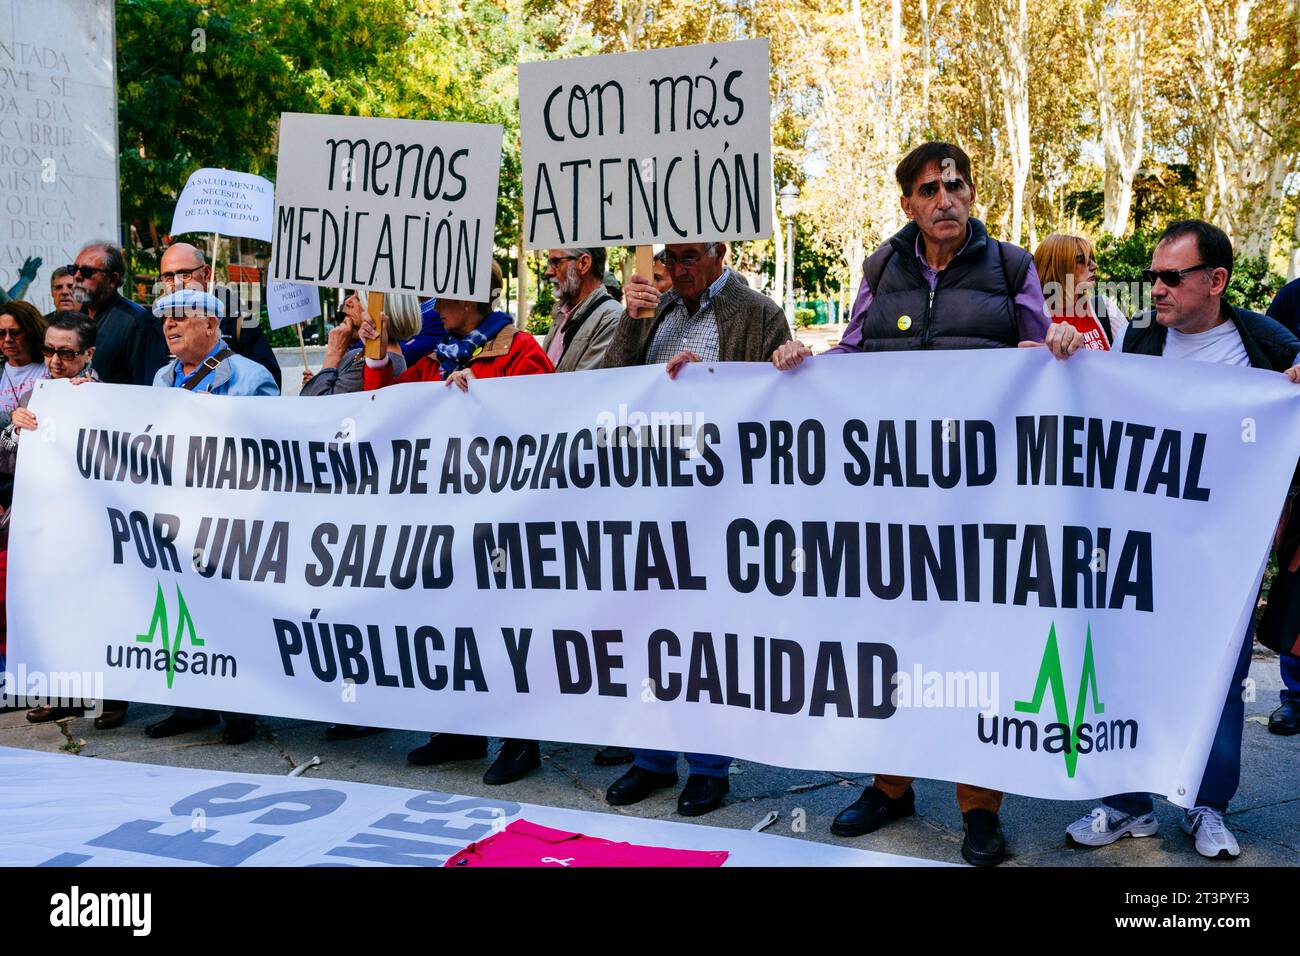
(480, 343)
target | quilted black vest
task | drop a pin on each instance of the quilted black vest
(972, 307)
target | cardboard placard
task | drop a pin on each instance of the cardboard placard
(388, 205)
(666, 146)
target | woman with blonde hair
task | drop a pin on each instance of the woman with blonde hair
(1067, 269)
(343, 368)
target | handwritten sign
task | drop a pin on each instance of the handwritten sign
(289, 304)
(664, 146)
(219, 200)
(387, 205)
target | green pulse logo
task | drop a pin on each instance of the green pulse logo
(1069, 735)
(1049, 675)
(159, 626)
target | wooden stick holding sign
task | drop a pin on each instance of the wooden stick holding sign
(212, 266)
(375, 306)
(302, 345)
(645, 268)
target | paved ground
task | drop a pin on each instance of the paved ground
(1265, 815)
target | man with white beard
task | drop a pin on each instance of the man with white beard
(586, 315)
(123, 329)
(582, 326)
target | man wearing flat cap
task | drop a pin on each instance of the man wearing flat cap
(202, 362)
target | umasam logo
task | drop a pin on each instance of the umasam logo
(174, 652)
(1070, 734)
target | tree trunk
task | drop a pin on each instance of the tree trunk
(1122, 126)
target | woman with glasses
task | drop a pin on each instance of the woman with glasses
(1067, 268)
(69, 345)
(22, 333)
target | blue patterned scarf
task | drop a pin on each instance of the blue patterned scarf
(455, 351)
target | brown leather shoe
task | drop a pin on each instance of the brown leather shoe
(43, 715)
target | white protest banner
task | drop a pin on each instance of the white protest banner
(226, 202)
(113, 813)
(289, 304)
(670, 145)
(989, 567)
(387, 205)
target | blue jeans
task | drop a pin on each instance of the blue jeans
(1290, 666)
(665, 761)
(1223, 768)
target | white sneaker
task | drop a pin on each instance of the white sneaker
(1104, 825)
(1213, 838)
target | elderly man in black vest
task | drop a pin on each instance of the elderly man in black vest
(941, 282)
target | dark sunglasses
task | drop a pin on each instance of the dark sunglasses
(66, 355)
(11, 333)
(85, 271)
(1171, 277)
(1085, 260)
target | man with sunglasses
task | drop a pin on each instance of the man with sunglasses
(184, 266)
(941, 282)
(1189, 273)
(709, 315)
(126, 336)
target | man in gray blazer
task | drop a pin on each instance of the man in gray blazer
(586, 315)
(582, 326)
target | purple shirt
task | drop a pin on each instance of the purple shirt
(1031, 310)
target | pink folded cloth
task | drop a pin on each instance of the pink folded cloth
(527, 844)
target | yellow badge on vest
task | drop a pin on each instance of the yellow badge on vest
(904, 323)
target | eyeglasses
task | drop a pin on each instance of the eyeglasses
(1171, 277)
(11, 333)
(85, 271)
(66, 355)
(688, 261)
(1081, 260)
(554, 261)
(170, 277)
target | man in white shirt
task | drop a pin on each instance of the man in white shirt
(1189, 273)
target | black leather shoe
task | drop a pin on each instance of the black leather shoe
(174, 724)
(612, 756)
(702, 794)
(983, 844)
(239, 730)
(871, 811)
(517, 758)
(350, 731)
(443, 748)
(637, 784)
(1286, 719)
(112, 716)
